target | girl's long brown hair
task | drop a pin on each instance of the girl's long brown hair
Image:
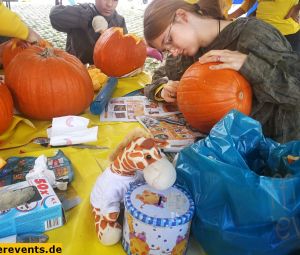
(160, 13)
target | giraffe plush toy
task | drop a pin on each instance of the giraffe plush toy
(136, 157)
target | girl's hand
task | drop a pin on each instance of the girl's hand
(169, 91)
(228, 59)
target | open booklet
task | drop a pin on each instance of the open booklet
(172, 128)
(128, 108)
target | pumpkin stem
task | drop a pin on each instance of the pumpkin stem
(47, 52)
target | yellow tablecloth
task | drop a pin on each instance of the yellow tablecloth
(78, 234)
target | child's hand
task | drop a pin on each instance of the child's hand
(99, 24)
(294, 13)
(33, 36)
(169, 91)
(228, 59)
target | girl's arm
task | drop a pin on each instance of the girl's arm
(271, 66)
(173, 69)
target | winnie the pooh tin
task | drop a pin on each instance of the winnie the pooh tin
(157, 222)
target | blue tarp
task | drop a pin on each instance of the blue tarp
(246, 192)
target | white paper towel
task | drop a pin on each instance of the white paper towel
(69, 130)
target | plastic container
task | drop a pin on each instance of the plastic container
(157, 222)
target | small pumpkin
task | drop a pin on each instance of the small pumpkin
(6, 108)
(98, 78)
(204, 96)
(116, 54)
(48, 82)
(15, 46)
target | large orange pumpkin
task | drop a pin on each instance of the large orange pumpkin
(47, 83)
(204, 96)
(6, 108)
(15, 46)
(116, 54)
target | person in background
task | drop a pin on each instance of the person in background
(77, 22)
(244, 45)
(243, 8)
(220, 8)
(225, 6)
(11, 25)
(282, 14)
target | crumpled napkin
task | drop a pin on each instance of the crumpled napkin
(40, 170)
(69, 130)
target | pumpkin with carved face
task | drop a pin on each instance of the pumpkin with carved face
(116, 54)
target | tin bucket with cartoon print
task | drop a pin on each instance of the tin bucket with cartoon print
(157, 222)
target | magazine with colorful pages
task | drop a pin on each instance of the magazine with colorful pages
(172, 128)
(128, 108)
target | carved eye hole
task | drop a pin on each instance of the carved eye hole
(148, 157)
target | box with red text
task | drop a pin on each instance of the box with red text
(29, 206)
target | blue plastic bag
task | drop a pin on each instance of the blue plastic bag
(246, 192)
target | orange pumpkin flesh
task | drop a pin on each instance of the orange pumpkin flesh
(15, 46)
(205, 96)
(48, 83)
(116, 54)
(6, 108)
